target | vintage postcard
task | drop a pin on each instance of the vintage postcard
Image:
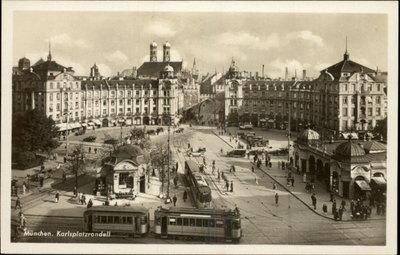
(199, 127)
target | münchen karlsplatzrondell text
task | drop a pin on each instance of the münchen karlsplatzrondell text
(71, 234)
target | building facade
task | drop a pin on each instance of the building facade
(346, 96)
(53, 89)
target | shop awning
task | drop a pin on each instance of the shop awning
(84, 124)
(271, 121)
(378, 165)
(363, 185)
(62, 126)
(75, 125)
(121, 120)
(112, 121)
(91, 123)
(97, 122)
(379, 180)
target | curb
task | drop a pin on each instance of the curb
(289, 191)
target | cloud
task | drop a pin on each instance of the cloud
(104, 69)
(117, 57)
(307, 36)
(245, 39)
(277, 68)
(66, 41)
(161, 28)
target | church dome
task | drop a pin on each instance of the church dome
(307, 136)
(345, 151)
(153, 44)
(167, 44)
(168, 68)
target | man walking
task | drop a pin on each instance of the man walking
(174, 199)
(57, 197)
(276, 199)
(292, 179)
(227, 186)
(314, 201)
(231, 186)
(324, 208)
(334, 207)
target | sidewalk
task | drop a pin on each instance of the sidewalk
(298, 191)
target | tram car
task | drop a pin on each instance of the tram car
(129, 220)
(201, 192)
(221, 225)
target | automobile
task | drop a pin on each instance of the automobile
(195, 154)
(179, 130)
(203, 149)
(89, 139)
(246, 127)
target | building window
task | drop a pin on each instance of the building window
(378, 111)
(378, 87)
(378, 100)
(369, 111)
(58, 106)
(137, 93)
(51, 96)
(120, 101)
(112, 110)
(137, 110)
(128, 109)
(58, 85)
(104, 111)
(121, 93)
(51, 85)
(137, 101)
(76, 105)
(112, 93)
(105, 102)
(129, 93)
(344, 112)
(120, 110)
(129, 102)
(112, 103)
(50, 107)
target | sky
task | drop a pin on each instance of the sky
(120, 40)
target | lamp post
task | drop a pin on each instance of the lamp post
(168, 160)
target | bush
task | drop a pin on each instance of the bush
(89, 139)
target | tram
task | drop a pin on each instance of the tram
(201, 192)
(209, 224)
(131, 220)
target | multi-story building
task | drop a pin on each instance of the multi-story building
(53, 89)
(346, 96)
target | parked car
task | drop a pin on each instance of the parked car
(179, 130)
(246, 127)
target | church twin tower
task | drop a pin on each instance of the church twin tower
(166, 52)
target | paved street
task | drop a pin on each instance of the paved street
(263, 222)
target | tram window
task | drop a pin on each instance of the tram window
(129, 220)
(172, 221)
(158, 220)
(199, 223)
(219, 223)
(192, 222)
(97, 219)
(205, 223)
(211, 223)
(123, 218)
(116, 219)
(103, 219)
(179, 221)
(109, 219)
(143, 219)
(185, 222)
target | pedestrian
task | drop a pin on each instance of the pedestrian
(292, 181)
(352, 207)
(184, 196)
(176, 181)
(174, 199)
(57, 197)
(237, 210)
(41, 180)
(84, 199)
(90, 203)
(90, 149)
(333, 206)
(176, 166)
(343, 205)
(75, 192)
(231, 186)
(64, 176)
(276, 199)
(233, 168)
(324, 208)
(65, 160)
(252, 169)
(340, 213)
(227, 186)
(23, 188)
(256, 181)
(116, 204)
(274, 186)
(18, 203)
(335, 215)
(314, 201)
(219, 176)
(95, 150)
(332, 196)
(22, 221)
(270, 165)
(213, 169)
(378, 209)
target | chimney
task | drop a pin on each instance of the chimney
(304, 75)
(286, 73)
(262, 71)
(257, 75)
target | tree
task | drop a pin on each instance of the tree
(159, 160)
(232, 119)
(33, 132)
(77, 163)
(381, 128)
